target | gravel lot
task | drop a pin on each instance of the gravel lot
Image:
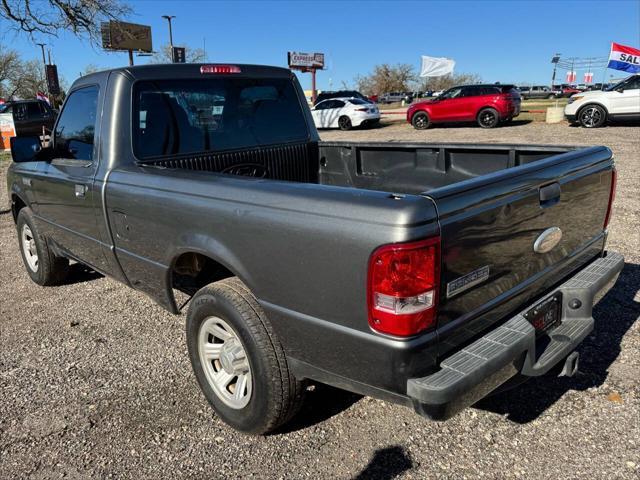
(95, 381)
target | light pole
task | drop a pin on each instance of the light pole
(169, 17)
(44, 66)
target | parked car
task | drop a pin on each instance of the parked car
(342, 94)
(425, 274)
(30, 116)
(488, 105)
(537, 91)
(344, 113)
(567, 90)
(395, 97)
(437, 93)
(593, 109)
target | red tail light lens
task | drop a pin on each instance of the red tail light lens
(361, 109)
(612, 196)
(220, 69)
(403, 287)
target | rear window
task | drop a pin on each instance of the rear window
(176, 117)
(357, 101)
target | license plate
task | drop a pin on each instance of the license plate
(545, 314)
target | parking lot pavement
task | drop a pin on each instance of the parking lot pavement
(95, 379)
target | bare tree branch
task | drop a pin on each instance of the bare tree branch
(48, 17)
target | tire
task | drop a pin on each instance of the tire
(421, 121)
(344, 123)
(41, 264)
(592, 116)
(271, 395)
(550, 96)
(488, 118)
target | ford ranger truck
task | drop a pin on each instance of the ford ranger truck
(424, 274)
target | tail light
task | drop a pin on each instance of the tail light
(361, 109)
(220, 69)
(403, 287)
(612, 196)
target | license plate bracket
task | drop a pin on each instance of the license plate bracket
(545, 314)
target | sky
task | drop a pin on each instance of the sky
(506, 41)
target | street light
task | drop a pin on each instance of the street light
(168, 18)
(554, 60)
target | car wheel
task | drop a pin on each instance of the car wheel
(238, 360)
(420, 121)
(550, 96)
(488, 118)
(592, 116)
(344, 123)
(41, 264)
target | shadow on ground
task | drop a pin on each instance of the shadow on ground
(387, 463)
(322, 403)
(614, 315)
(79, 273)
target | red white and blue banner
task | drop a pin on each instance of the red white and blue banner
(43, 97)
(624, 58)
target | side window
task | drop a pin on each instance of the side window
(338, 104)
(34, 109)
(76, 126)
(20, 111)
(633, 84)
(323, 105)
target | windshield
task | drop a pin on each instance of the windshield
(174, 117)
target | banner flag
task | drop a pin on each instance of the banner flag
(588, 77)
(624, 58)
(571, 77)
(42, 96)
(436, 67)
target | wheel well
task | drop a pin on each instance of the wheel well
(590, 104)
(191, 271)
(16, 205)
(418, 112)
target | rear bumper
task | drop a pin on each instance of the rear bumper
(476, 370)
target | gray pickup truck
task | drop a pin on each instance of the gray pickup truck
(429, 275)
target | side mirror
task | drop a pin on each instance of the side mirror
(620, 89)
(26, 149)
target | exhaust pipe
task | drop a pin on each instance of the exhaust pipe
(570, 365)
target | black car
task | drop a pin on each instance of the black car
(341, 94)
(29, 116)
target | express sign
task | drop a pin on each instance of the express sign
(305, 60)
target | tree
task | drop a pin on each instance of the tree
(193, 55)
(387, 78)
(48, 17)
(28, 80)
(448, 81)
(9, 59)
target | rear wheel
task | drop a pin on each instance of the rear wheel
(238, 359)
(420, 121)
(41, 264)
(592, 116)
(488, 118)
(344, 123)
(550, 96)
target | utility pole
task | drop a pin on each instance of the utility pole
(168, 18)
(44, 68)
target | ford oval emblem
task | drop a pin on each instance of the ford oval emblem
(547, 240)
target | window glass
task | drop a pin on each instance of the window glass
(34, 109)
(76, 126)
(188, 116)
(338, 104)
(454, 92)
(633, 83)
(357, 101)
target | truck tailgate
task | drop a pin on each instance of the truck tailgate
(489, 226)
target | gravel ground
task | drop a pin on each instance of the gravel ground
(95, 380)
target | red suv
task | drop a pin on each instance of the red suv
(486, 104)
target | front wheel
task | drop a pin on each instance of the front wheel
(344, 123)
(41, 264)
(238, 359)
(488, 118)
(592, 116)
(420, 121)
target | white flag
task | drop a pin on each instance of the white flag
(436, 67)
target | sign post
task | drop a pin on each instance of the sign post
(307, 62)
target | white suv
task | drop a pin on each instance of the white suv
(593, 109)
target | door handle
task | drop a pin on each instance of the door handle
(81, 190)
(549, 195)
